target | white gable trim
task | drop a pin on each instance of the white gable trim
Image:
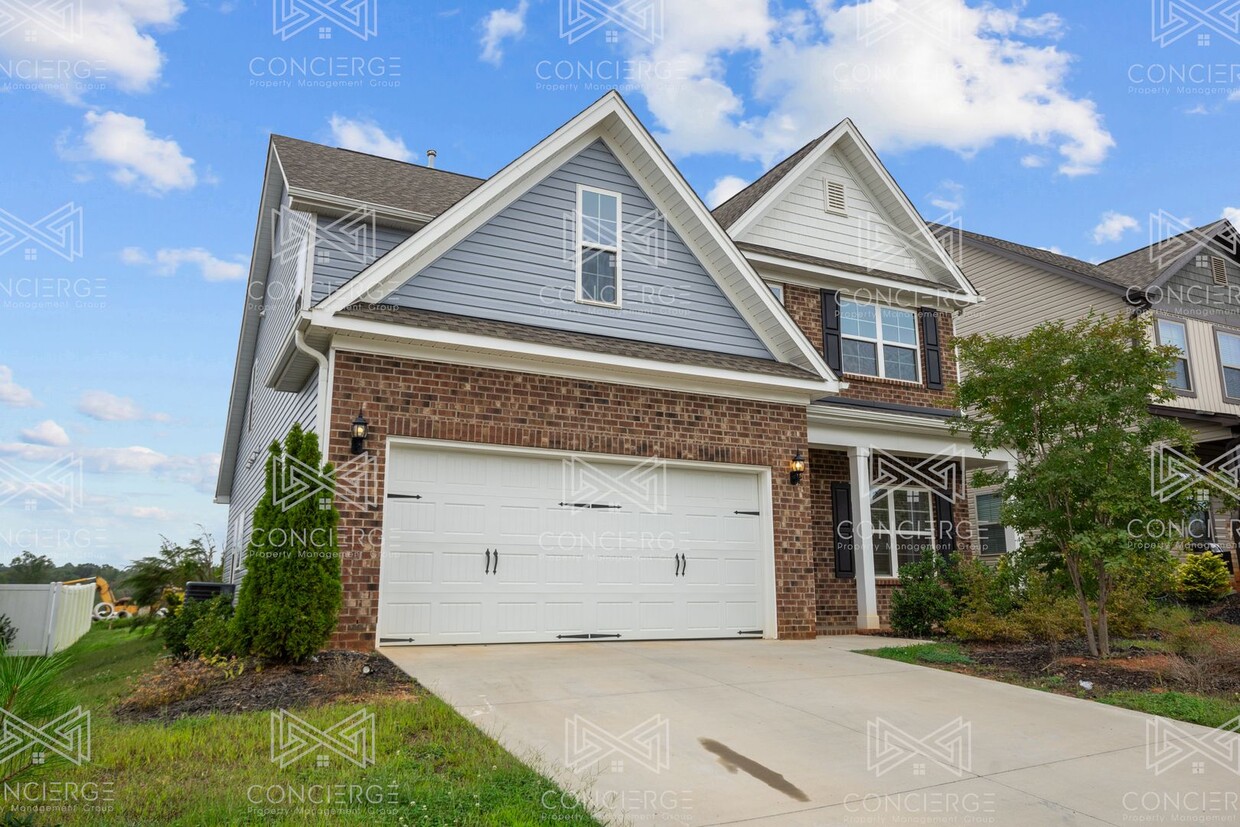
(611, 121)
(848, 130)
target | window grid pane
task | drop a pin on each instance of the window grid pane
(899, 327)
(598, 276)
(858, 320)
(859, 357)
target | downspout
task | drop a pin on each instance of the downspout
(323, 404)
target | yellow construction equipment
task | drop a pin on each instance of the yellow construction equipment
(113, 607)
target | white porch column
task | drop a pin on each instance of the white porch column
(863, 538)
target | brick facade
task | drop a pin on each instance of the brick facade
(805, 306)
(428, 400)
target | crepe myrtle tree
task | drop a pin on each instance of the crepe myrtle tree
(1071, 402)
(291, 593)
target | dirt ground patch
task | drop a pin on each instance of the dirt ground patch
(1070, 665)
(1227, 611)
(176, 689)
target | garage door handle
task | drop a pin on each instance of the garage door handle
(488, 561)
(678, 565)
(496, 569)
(684, 564)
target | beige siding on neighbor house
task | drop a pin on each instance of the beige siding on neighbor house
(801, 223)
(1019, 297)
(1204, 367)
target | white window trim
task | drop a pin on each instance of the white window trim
(1011, 538)
(893, 530)
(1188, 353)
(1223, 366)
(582, 244)
(878, 329)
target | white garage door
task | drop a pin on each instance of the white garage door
(487, 547)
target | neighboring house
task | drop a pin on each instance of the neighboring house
(1189, 284)
(586, 398)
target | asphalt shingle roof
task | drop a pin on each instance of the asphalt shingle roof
(730, 211)
(369, 178)
(1141, 268)
(434, 320)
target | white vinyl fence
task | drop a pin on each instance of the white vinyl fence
(48, 618)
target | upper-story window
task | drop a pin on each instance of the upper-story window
(598, 247)
(1174, 334)
(879, 341)
(1229, 358)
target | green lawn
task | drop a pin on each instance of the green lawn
(432, 766)
(940, 653)
(1196, 709)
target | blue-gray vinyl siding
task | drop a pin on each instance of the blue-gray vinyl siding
(520, 267)
(269, 413)
(1192, 292)
(336, 264)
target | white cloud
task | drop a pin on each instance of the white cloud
(107, 407)
(138, 158)
(1199, 109)
(367, 136)
(1234, 96)
(501, 25)
(111, 43)
(1053, 249)
(13, 394)
(724, 188)
(949, 197)
(1232, 214)
(198, 471)
(144, 512)
(168, 262)
(1033, 161)
(46, 432)
(1113, 226)
(988, 77)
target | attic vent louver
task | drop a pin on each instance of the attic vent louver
(837, 199)
(1218, 268)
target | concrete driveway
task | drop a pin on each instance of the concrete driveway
(810, 733)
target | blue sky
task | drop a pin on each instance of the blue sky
(1043, 122)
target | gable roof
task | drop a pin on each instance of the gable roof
(1150, 266)
(747, 207)
(314, 169)
(1056, 263)
(610, 120)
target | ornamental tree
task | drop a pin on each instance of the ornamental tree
(1072, 403)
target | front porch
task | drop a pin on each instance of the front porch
(885, 484)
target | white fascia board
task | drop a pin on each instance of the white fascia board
(486, 351)
(813, 275)
(840, 427)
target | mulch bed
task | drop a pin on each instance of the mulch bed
(195, 688)
(1135, 669)
(1227, 611)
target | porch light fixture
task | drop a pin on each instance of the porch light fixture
(797, 469)
(359, 432)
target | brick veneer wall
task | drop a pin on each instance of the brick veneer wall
(837, 598)
(428, 400)
(805, 306)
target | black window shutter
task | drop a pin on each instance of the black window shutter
(934, 354)
(845, 536)
(945, 520)
(831, 329)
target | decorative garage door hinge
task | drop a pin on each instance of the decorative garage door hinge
(748, 513)
(395, 640)
(404, 496)
(751, 632)
(588, 505)
(584, 637)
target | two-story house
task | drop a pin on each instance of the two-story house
(1188, 284)
(567, 402)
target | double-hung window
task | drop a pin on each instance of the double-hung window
(1174, 334)
(598, 247)
(991, 533)
(879, 341)
(903, 528)
(1229, 358)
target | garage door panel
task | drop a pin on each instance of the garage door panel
(564, 571)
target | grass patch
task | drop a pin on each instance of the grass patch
(431, 767)
(1180, 706)
(938, 653)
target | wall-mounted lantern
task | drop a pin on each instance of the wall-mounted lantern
(359, 432)
(796, 469)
